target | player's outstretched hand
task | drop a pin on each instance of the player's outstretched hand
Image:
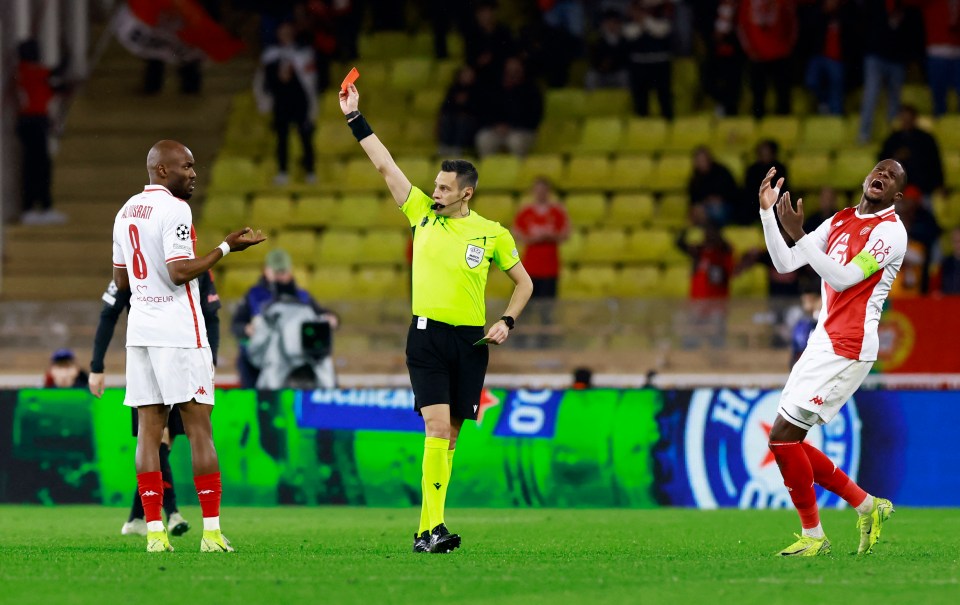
(349, 99)
(498, 333)
(768, 192)
(95, 384)
(243, 239)
(792, 220)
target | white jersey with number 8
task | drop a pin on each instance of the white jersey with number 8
(152, 229)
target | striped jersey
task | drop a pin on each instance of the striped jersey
(848, 320)
(152, 229)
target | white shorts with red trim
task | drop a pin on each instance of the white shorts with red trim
(168, 375)
(819, 385)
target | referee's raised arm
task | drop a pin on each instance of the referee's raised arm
(397, 182)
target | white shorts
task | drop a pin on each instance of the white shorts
(168, 375)
(819, 385)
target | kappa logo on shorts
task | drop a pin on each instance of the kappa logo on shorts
(727, 457)
(816, 400)
(474, 255)
(201, 391)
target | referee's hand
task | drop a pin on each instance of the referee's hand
(498, 333)
(349, 99)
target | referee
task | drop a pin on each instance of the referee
(446, 345)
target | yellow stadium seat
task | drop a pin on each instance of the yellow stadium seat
(557, 136)
(384, 247)
(365, 211)
(948, 132)
(499, 284)
(587, 172)
(672, 212)
(446, 70)
(571, 248)
(947, 210)
(675, 282)
(822, 133)
(270, 211)
(608, 102)
(421, 44)
(744, 238)
(565, 103)
(376, 283)
(587, 282)
(733, 160)
(630, 209)
(499, 172)
(224, 210)
(419, 137)
(636, 282)
(689, 132)
(411, 73)
(917, 95)
(752, 283)
(234, 282)
(499, 207)
(586, 209)
(630, 173)
(331, 283)
(736, 133)
(421, 171)
(298, 243)
(334, 139)
(383, 45)
(951, 167)
(235, 175)
(671, 173)
(338, 247)
(601, 134)
(540, 165)
(605, 245)
(651, 245)
(645, 135)
(850, 168)
(808, 171)
(426, 103)
(360, 175)
(785, 130)
(314, 211)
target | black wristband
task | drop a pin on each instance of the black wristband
(509, 321)
(360, 128)
(353, 114)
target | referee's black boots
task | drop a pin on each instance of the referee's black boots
(442, 541)
(421, 543)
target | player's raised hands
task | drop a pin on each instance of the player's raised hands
(792, 220)
(769, 192)
(349, 99)
(243, 239)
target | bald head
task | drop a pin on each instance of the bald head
(170, 164)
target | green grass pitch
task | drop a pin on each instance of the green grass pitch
(74, 554)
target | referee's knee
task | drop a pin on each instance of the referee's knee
(437, 427)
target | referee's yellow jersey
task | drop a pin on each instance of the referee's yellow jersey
(451, 258)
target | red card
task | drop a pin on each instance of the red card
(350, 79)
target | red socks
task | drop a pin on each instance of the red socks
(826, 473)
(150, 486)
(798, 477)
(208, 492)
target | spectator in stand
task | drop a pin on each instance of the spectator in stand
(541, 226)
(829, 204)
(567, 15)
(289, 82)
(711, 272)
(950, 267)
(458, 114)
(941, 20)
(488, 44)
(885, 63)
(712, 187)
(35, 90)
(510, 113)
(768, 34)
(444, 17)
(548, 52)
(917, 151)
(923, 232)
(648, 37)
(766, 156)
(824, 26)
(607, 54)
(810, 305)
(721, 75)
(64, 372)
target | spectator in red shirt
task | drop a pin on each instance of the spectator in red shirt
(768, 35)
(712, 270)
(941, 20)
(541, 225)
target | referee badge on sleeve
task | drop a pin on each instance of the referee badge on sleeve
(474, 255)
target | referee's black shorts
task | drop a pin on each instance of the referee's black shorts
(445, 367)
(174, 422)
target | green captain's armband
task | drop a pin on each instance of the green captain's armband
(867, 263)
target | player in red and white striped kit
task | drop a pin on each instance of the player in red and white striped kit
(857, 253)
(168, 356)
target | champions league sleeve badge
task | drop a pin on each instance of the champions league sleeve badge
(183, 233)
(714, 452)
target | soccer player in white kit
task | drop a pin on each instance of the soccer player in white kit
(168, 357)
(857, 253)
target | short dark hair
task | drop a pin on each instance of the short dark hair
(909, 108)
(467, 175)
(773, 145)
